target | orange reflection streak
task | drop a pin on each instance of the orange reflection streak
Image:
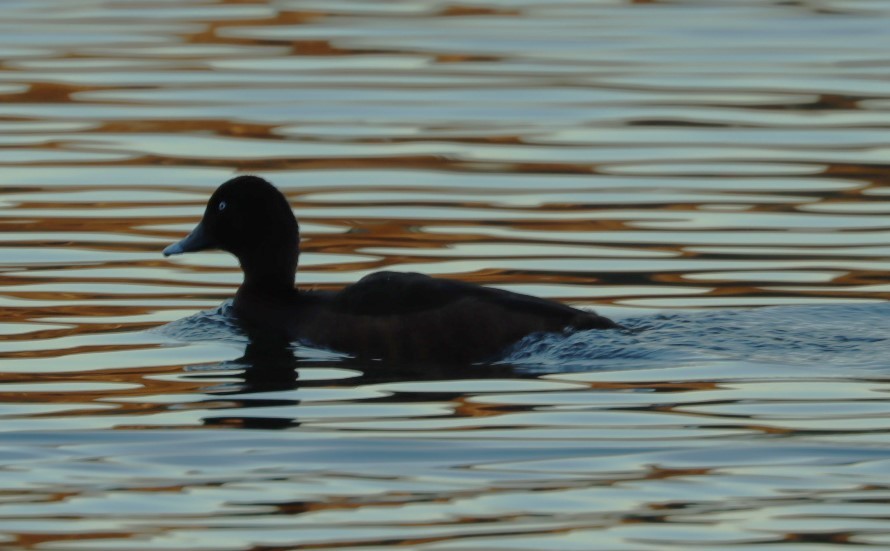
(47, 92)
(210, 33)
(142, 382)
(35, 540)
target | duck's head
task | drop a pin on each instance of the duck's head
(248, 217)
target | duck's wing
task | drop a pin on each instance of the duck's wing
(413, 317)
(406, 294)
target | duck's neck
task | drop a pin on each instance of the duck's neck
(269, 276)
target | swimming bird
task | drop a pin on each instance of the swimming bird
(391, 316)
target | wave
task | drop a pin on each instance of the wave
(852, 335)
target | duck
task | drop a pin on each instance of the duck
(390, 316)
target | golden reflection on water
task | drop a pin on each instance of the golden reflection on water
(644, 157)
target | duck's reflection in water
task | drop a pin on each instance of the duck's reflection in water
(270, 368)
(268, 365)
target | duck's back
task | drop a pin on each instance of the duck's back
(413, 317)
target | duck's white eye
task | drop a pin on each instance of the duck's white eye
(222, 205)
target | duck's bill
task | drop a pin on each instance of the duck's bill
(198, 240)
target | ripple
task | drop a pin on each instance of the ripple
(665, 163)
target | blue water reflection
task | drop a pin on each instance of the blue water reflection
(713, 174)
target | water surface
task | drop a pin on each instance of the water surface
(714, 175)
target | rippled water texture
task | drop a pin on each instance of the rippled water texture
(712, 173)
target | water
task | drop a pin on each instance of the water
(712, 174)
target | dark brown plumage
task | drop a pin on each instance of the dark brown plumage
(398, 317)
